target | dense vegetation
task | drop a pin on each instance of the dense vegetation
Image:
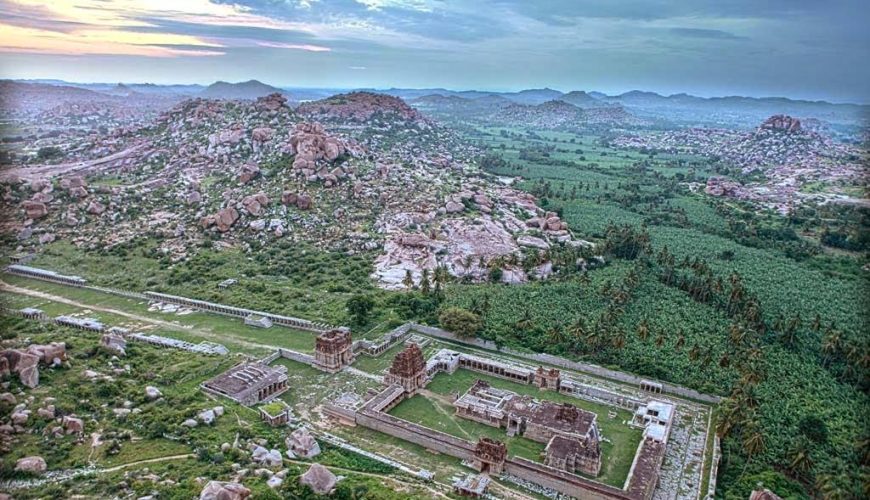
(707, 293)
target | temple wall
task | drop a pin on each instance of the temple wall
(563, 482)
(430, 439)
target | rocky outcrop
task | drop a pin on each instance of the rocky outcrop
(217, 490)
(223, 220)
(255, 203)
(33, 465)
(720, 186)
(34, 209)
(302, 444)
(782, 123)
(114, 343)
(96, 208)
(301, 201)
(361, 107)
(319, 479)
(248, 172)
(316, 152)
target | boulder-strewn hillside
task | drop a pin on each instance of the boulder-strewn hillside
(376, 176)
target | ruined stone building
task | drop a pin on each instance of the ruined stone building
(571, 434)
(249, 383)
(333, 350)
(408, 370)
(489, 456)
(548, 379)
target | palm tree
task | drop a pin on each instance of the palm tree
(660, 340)
(556, 335)
(408, 281)
(725, 360)
(578, 328)
(643, 329)
(526, 322)
(425, 286)
(680, 340)
(753, 440)
(799, 461)
(619, 339)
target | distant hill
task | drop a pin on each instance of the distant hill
(249, 90)
(533, 96)
(581, 99)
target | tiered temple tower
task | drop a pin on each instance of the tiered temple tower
(408, 370)
(333, 350)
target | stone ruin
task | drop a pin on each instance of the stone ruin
(547, 379)
(249, 383)
(408, 370)
(472, 485)
(489, 456)
(333, 350)
(571, 434)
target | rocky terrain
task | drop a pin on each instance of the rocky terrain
(787, 155)
(358, 172)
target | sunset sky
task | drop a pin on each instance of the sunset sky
(793, 48)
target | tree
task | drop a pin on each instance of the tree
(359, 307)
(425, 286)
(408, 280)
(460, 321)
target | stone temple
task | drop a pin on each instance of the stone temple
(571, 434)
(249, 383)
(408, 370)
(333, 350)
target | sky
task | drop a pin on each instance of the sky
(811, 49)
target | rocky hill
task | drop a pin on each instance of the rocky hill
(251, 89)
(361, 107)
(375, 177)
(788, 156)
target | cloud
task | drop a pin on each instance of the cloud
(294, 46)
(705, 33)
(357, 68)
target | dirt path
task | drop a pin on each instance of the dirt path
(148, 461)
(169, 325)
(34, 172)
(435, 399)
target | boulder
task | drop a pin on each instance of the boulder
(34, 464)
(47, 412)
(303, 202)
(152, 392)
(114, 343)
(255, 203)
(49, 354)
(34, 209)
(206, 416)
(96, 208)
(73, 425)
(302, 443)
(319, 479)
(453, 207)
(248, 172)
(216, 490)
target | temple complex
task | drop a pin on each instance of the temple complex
(408, 370)
(571, 434)
(249, 383)
(333, 350)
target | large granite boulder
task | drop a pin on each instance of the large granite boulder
(302, 443)
(319, 479)
(34, 465)
(217, 490)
